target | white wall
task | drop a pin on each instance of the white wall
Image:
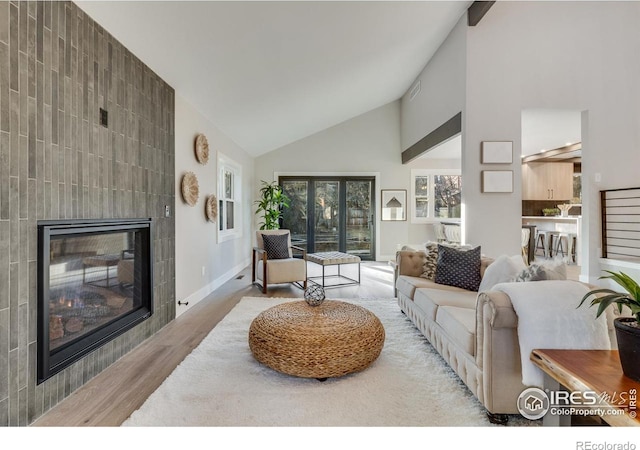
(367, 144)
(197, 245)
(442, 92)
(566, 55)
(563, 55)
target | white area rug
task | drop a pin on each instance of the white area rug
(221, 384)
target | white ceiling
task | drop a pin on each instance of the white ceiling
(270, 73)
(548, 129)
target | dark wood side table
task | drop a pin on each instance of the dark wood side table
(590, 370)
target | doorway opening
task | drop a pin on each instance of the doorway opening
(552, 184)
(331, 213)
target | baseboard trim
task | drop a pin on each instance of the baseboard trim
(207, 289)
(386, 258)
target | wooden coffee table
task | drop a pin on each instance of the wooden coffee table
(598, 371)
(330, 340)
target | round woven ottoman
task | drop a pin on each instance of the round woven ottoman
(326, 341)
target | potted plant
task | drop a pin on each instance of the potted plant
(272, 200)
(550, 211)
(627, 328)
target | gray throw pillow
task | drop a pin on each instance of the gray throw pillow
(276, 245)
(543, 271)
(458, 267)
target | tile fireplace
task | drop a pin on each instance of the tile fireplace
(94, 283)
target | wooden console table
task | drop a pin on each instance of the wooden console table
(590, 370)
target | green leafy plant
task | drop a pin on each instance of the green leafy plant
(551, 211)
(630, 298)
(270, 205)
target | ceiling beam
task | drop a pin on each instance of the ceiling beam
(441, 134)
(553, 155)
(476, 12)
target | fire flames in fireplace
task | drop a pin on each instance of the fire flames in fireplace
(72, 314)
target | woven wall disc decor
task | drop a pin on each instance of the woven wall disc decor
(202, 149)
(190, 188)
(211, 208)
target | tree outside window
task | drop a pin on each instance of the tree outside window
(421, 203)
(436, 195)
(447, 196)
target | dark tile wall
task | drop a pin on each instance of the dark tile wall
(57, 69)
(535, 207)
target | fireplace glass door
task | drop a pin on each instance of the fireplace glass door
(94, 284)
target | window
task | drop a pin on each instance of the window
(435, 195)
(229, 183)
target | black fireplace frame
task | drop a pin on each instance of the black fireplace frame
(52, 362)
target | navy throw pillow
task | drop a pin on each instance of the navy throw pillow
(458, 267)
(276, 245)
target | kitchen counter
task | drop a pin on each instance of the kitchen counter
(568, 224)
(552, 218)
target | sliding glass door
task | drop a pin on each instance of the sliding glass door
(331, 214)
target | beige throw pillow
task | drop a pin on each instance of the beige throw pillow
(430, 262)
(502, 270)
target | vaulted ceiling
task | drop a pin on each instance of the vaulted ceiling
(270, 73)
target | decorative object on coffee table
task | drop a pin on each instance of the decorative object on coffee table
(211, 208)
(190, 188)
(314, 295)
(331, 340)
(202, 149)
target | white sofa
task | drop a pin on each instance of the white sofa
(476, 333)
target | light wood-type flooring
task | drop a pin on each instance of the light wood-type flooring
(109, 398)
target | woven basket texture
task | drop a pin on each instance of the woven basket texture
(326, 341)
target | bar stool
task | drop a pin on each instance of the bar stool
(542, 242)
(567, 240)
(552, 247)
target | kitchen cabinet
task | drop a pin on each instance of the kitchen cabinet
(547, 181)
